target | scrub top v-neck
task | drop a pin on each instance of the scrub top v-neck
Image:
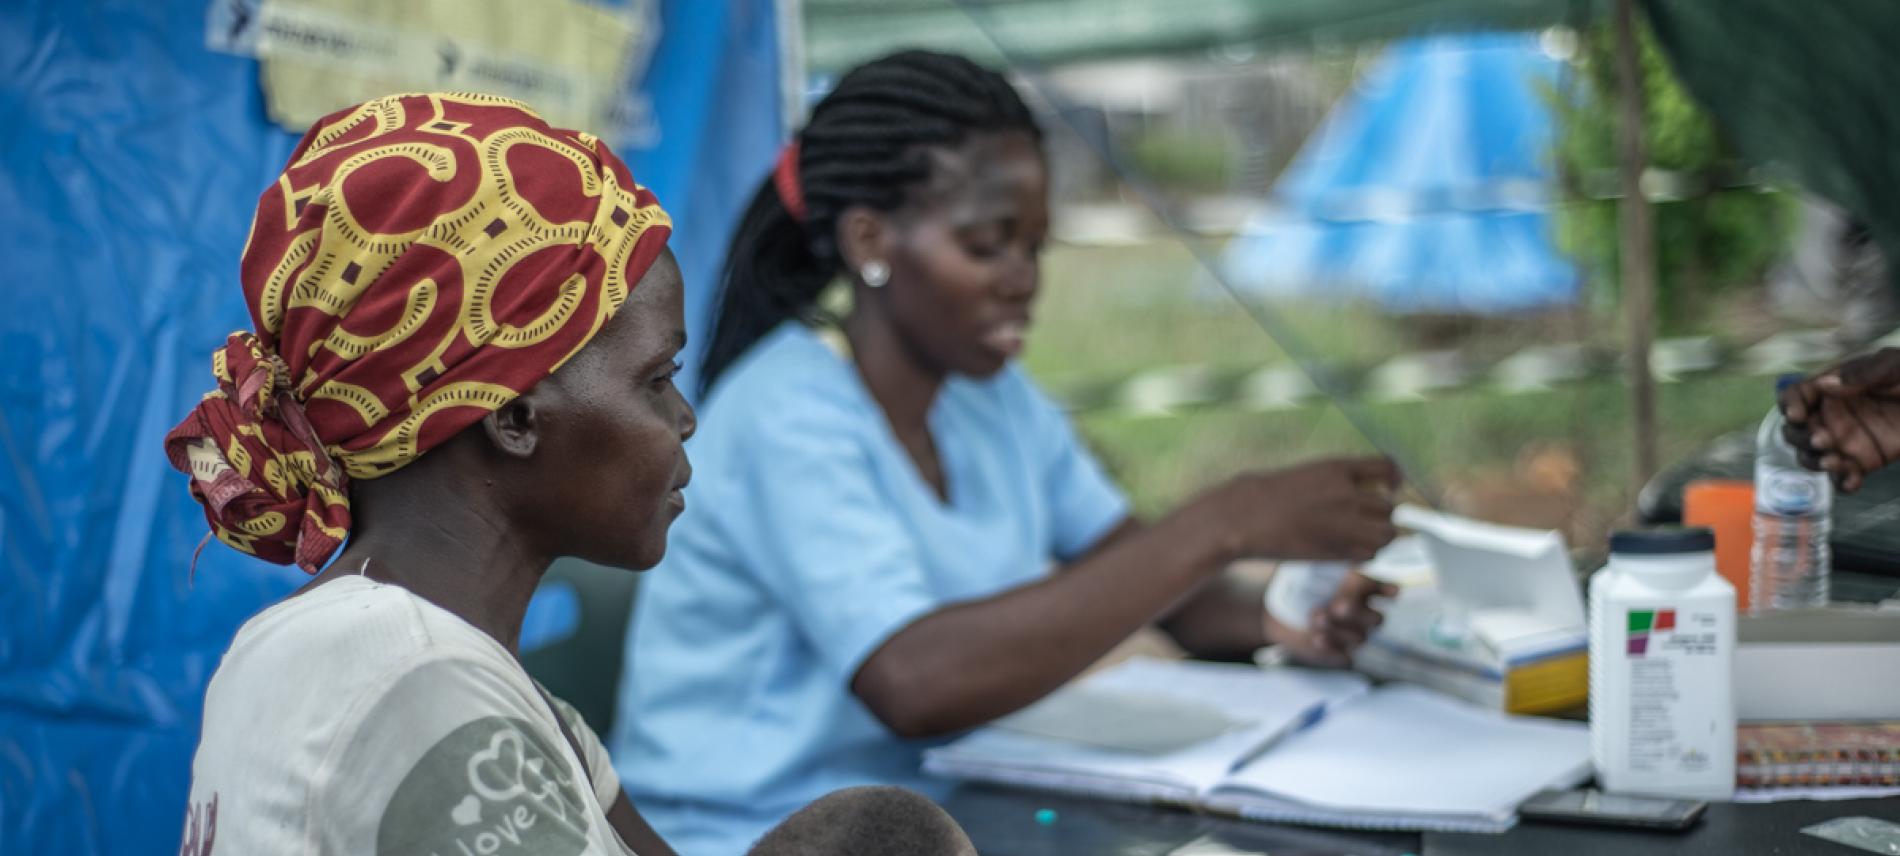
(810, 537)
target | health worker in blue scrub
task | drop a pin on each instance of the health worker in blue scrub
(893, 535)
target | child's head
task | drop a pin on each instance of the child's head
(867, 821)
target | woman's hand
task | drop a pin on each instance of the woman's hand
(1337, 628)
(1328, 510)
(1846, 421)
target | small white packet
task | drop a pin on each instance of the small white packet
(1867, 833)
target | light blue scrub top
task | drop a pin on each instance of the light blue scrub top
(809, 539)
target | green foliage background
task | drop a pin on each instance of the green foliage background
(1716, 238)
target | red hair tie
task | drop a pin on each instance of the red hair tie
(785, 178)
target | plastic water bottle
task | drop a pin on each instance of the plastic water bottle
(1790, 562)
(1662, 667)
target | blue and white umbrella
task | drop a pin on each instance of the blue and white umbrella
(1427, 189)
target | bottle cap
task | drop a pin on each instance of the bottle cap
(1788, 380)
(1670, 541)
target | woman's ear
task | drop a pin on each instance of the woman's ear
(514, 428)
(864, 235)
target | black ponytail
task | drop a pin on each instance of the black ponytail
(863, 146)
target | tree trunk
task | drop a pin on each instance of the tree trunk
(1638, 239)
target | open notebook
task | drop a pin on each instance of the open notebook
(1281, 745)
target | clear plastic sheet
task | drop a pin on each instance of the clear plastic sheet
(1867, 833)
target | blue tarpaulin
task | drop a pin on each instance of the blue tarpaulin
(133, 157)
(1426, 189)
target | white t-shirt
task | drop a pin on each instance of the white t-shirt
(359, 718)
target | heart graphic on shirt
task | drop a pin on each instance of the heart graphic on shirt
(495, 772)
(468, 812)
(494, 786)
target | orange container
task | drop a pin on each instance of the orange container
(1728, 507)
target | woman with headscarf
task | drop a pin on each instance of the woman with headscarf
(466, 331)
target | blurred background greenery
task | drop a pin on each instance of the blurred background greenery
(1110, 312)
(1199, 144)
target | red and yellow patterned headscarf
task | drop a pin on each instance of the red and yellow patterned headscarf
(423, 260)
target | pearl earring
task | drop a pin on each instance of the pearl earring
(875, 274)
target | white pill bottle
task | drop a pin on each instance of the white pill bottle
(1662, 667)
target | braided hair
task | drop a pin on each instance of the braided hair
(864, 145)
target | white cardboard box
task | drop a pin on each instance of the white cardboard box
(1838, 663)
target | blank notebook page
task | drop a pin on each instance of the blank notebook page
(1407, 750)
(1266, 702)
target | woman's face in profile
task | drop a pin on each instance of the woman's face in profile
(609, 459)
(965, 253)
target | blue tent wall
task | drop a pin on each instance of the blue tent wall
(132, 159)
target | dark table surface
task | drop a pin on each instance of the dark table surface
(1772, 829)
(1003, 822)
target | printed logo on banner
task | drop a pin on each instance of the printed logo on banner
(231, 26)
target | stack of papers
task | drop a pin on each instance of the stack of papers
(1496, 620)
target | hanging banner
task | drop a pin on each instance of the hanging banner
(571, 60)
